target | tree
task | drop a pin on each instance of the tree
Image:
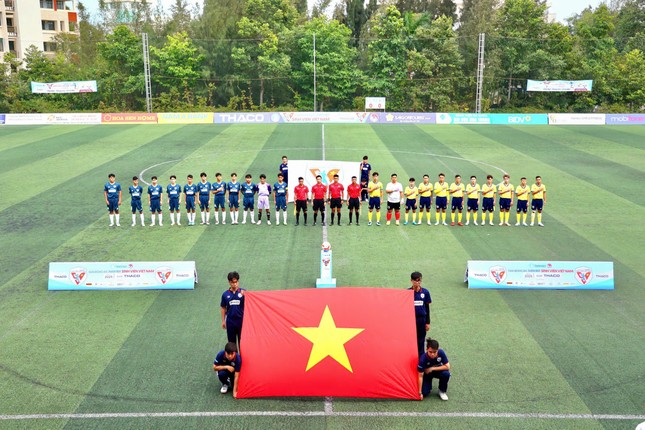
(177, 64)
(631, 69)
(180, 18)
(336, 68)
(630, 26)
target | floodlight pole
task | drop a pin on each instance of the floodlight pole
(146, 71)
(480, 72)
(315, 72)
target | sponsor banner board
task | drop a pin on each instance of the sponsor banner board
(129, 118)
(374, 102)
(247, 117)
(492, 118)
(539, 275)
(64, 87)
(308, 169)
(401, 118)
(625, 119)
(146, 275)
(2, 118)
(185, 118)
(52, 118)
(325, 117)
(577, 119)
(553, 86)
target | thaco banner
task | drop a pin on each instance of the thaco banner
(556, 275)
(247, 118)
(133, 275)
(64, 87)
(318, 342)
(185, 118)
(565, 86)
(309, 169)
(625, 119)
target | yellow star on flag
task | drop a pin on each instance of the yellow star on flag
(328, 340)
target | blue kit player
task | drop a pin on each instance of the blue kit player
(112, 193)
(280, 190)
(174, 199)
(366, 168)
(433, 364)
(190, 190)
(234, 188)
(232, 308)
(248, 189)
(204, 188)
(218, 188)
(155, 198)
(136, 191)
(228, 364)
(284, 169)
(422, 302)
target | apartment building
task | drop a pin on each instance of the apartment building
(35, 22)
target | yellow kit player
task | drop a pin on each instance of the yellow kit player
(538, 190)
(488, 199)
(441, 198)
(425, 198)
(457, 192)
(472, 192)
(522, 192)
(375, 191)
(411, 192)
(505, 191)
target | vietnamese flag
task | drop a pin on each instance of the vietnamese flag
(345, 342)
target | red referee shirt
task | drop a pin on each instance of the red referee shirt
(300, 192)
(354, 191)
(319, 191)
(336, 190)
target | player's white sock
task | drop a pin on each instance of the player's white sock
(172, 217)
(152, 219)
(244, 216)
(178, 217)
(284, 217)
(237, 216)
(252, 218)
(111, 219)
(216, 216)
(117, 216)
(224, 217)
(208, 217)
(201, 214)
(160, 219)
(134, 219)
(277, 217)
(142, 219)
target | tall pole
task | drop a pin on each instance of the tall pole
(146, 71)
(315, 72)
(480, 72)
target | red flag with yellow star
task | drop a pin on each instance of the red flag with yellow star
(345, 342)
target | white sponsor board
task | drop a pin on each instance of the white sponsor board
(324, 117)
(52, 118)
(557, 86)
(308, 169)
(64, 87)
(577, 119)
(374, 103)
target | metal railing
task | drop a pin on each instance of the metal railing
(8, 5)
(12, 32)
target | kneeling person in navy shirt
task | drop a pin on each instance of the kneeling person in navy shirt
(232, 308)
(228, 364)
(433, 364)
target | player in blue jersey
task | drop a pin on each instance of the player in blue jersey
(422, 302)
(433, 364)
(174, 199)
(218, 188)
(232, 308)
(280, 190)
(366, 168)
(136, 191)
(248, 189)
(264, 191)
(284, 169)
(190, 190)
(112, 194)
(204, 188)
(155, 199)
(234, 197)
(228, 364)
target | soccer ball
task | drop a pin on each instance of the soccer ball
(326, 246)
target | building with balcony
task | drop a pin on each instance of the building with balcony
(35, 22)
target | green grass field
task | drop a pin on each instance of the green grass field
(521, 359)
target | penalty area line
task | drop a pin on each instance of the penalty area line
(325, 413)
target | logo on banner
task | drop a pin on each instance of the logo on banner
(327, 175)
(77, 275)
(583, 275)
(164, 274)
(497, 274)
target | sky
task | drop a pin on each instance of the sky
(562, 8)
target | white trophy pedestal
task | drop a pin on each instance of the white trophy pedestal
(325, 280)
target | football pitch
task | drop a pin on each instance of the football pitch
(143, 359)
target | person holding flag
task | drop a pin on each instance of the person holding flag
(232, 308)
(422, 301)
(433, 364)
(228, 364)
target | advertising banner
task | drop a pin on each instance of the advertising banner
(625, 119)
(374, 103)
(308, 169)
(64, 87)
(52, 118)
(2, 118)
(147, 275)
(577, 119)
(557, 275)
(552, 86)
(129, 118)
(401, 118)
(325, 117)
(492, 118)
(185, 118)
(247, 118)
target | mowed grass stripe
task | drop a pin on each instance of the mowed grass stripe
(48, 148)
(16, 136)
(593, 169)
(193, 334)
(629, 136)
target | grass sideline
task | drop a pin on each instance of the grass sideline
(513, 352)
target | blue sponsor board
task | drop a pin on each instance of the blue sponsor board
(2, 118)
(541, 275)
(492, 118)
(149, 275)
(625, 119)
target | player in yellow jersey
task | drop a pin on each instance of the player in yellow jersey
(488, 199)
(457, 192)
(522, 192)
(505, 191)
(441, 198)
(375, 191)
(411, 192)
(538, 191)
(425, 198)
(472, 192)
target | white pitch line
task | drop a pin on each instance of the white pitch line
(326, 215)
(329, 405)
(152, 167)
(542, 416)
